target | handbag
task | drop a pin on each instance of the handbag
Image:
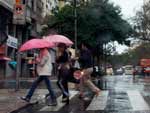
(72, 78)
(78, 74)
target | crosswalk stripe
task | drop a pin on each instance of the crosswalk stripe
(60, 104)
(99, 102)
(137, 101)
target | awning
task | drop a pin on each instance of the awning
(4, 58)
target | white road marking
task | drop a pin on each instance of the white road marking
(137, 101)
(60, 104)
(99, 102)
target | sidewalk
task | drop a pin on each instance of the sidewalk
(10, 99)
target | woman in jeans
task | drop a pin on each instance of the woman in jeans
(44, 69)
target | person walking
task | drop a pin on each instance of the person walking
(85, 60)
(44, 69)
(64, 71)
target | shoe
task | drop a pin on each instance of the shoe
(25, 99)
(52, 103)
(86, 99)
(97, 91)
(81, 96)
(65, 100)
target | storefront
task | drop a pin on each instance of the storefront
(7, 54)
(2, 62)
(5, 28)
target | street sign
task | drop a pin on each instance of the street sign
(19, 14)
(12, 42)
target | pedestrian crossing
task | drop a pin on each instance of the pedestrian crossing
(60, 104)
(137, 101)
(100, 102)
(135, 98)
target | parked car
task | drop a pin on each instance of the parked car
(128, 70)
(137, 70)
(119, 71)
(109, 71)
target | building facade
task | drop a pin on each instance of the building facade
(49, 6)
(6, 27)
(62, 3)
(35, 12)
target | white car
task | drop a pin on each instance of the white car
(128, 69)
(109, 71)
(119, 71)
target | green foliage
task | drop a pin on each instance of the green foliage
(142, 23)
(94, 21)
(131, 57)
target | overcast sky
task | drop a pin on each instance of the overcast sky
(129, 8)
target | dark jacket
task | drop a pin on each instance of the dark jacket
(63, 58)
(85, 59)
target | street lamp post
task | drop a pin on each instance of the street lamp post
(75, 25)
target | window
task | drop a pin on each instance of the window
(32, 4)
(23, 1)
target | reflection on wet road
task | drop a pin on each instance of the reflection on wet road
(121, 94)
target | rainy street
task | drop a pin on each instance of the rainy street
(120, 94)
(74, 56)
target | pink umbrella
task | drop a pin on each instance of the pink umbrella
(58, 39)
(35, 44)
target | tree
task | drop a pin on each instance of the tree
(142, 23)
(132, 56)
(98, 22)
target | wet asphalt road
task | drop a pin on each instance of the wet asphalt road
(120, 94)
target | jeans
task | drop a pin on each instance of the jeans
(35, 84)
(63, 79)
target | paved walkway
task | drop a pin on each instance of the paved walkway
(123, 95)
(10, 99)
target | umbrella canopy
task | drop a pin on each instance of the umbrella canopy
(58, 39)
(36, 44)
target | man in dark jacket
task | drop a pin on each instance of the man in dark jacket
(85, 60)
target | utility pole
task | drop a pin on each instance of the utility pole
(18, 62)
(75, 25)
(18, 20)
